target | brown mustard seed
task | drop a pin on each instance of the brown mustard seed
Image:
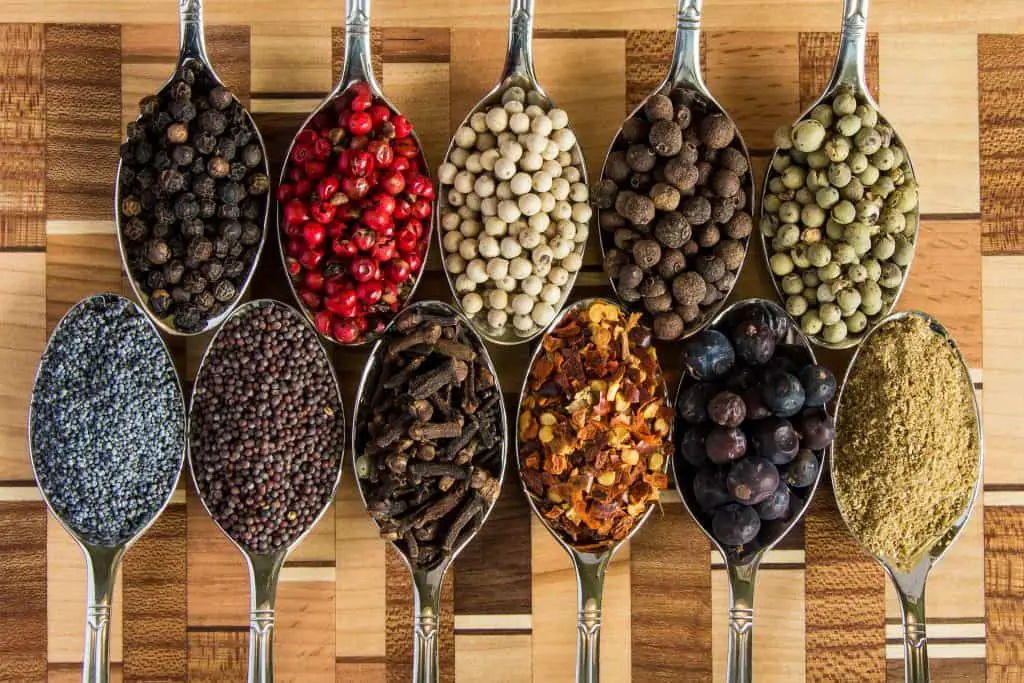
(906, 452)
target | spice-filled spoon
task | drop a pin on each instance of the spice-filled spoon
(752, 427)
(266, 443)
(594, 443)
(839, 214)
(355, 202)
(193, 193)
(676, 195)
(907, 459)
(429, 438)
(106, 431)
(513, 211)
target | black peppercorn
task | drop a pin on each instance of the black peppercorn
(220, 98)
(230, 192)
(207, 208)
(186, 206)
(149, 104)
(218, 167)
(251, 234)
(180, 90)
(183, 155)
(180, 295)
(250, 209)
(134, 132)
(212, 270)
(191, 263)
(230, 230)
(252, 156)
(234, 268)
(242, 135)
(145, 178)
(204, 300)
(212, 121)
(188, 318)
(182, 110)
(200, 249)
(226, 148)
(170, 182)
(135, 230)
(205, 143)
(193, 282)
(162, 160)
(174, 271)
(127, 175)
(224, 291)
(131, 206)
(258, 184)
(222, 248)
(228, 211)
(238, 171)
(187, 73)
(160, 231)
(143, 152)
(204, 187)
(160, 301)
(177, 133)
(155, 280)
(192, 228)
(157, 252)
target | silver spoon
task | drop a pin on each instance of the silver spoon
(910, 585)
(265, 568)
(590, 566)
(192, 48)
(103, 561)
(518, 71)
(742, 569)
(426, 582)
(357, 67)
(847, 73)
(684, 77)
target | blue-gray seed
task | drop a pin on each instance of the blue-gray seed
(107, 425)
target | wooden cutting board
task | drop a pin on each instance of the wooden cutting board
(949, 75)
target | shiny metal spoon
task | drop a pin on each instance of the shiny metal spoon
(192, 48)
(590, 566)
(685, 79)
(847, 73)
(910, 585)
(103, 561)
(742, 569)
(426, 582)
(518, 71)
(357, 67)
(265, 569)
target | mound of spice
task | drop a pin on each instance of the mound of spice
(594, 426)
(674, 210)
(108, 421)
(266, 429)
(906, 456)
(356, 203)
(194, 192)
(430, 454)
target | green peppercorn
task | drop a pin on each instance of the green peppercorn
(782, 137)
(799, 256)
(868, 211)
(848, 300)
(867, 140)
(884, 159)
(857, 161)
(808, 135)
(912, 220)
(824, 293)
(854, 190)
(883, 187)
(869, 176)
(829, 313)
(844, 103)
(829, 272)
(868, 116)
(781, 162)
(775, 186)
(817, 160)
(899, 175)
(883, 248)
(904, 252)
(772, 203)
(811, 294)
(787, 237)
(792, 284)
(813, 216)
(810, 323)
(898, 156)
(874, 269)
(770, 224)
(810, 278)
(891, 277)
(796, 305)
(892, 221)
(817, 179)
(848, 125)
(833, 334)
(857, 322)
(794, 177)
(789, 212)
(833, 229)
(838, 149)
(904, 198)
(843, 254)
(819, 254)
(844, 212)
(781, 264)
(823, 115)
(857, 273)
(826, 197)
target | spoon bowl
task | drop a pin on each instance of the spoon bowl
(265, 568)
(742, 566)
(102, 561)
(848, 75)
(427, 581)
(518, 72)
(356, 68)
(192, 50)
(910, 585)
(684, 83)
(589, 564)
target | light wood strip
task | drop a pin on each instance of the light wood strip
(493, 659)
(83, 114)
(155, 577)
(23, 621)
(362, 671)
(62, 228)
(76, 267)
(493, 622)
(420, 92)
(22, 319)
(778, 628)
(319, 546)
(671, 599)
(475, 67)
(304, 631)
(1004, 498)
(942, 137)
(943, 670)
(1004, 592)
(22, 136)
(60, 672)
(277, 66)
(218, 583)
(20, 494)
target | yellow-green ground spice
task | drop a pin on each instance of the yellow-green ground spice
(906, 447)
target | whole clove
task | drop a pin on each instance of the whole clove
(429, 437)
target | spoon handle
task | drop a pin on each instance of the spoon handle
(849, 66)
(915, 637)
(358, 64)
(427, 611)
(192, 40)
(685, 68)
(264, 571)
(590, 572)
(519, 57)
(741, 622)
(101, 566)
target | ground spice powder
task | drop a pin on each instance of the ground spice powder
(906, 447)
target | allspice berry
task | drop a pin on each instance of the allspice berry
(658, 108)
(717, 131)
(652, 286)
(636, 208)
(707, 235)
(739, 226)
(666, 138)
(665, 197)
(681, 174)
(710, 267)
(689, 288)
(672, 263)
(696, 210)
(635, 130)
(668, 326)
(672, 230)
(689, 313)
(640, 157)
(734, 160)
(604, 192)
(661, 303)
(646, 253)
(616, 167)
(731, 252)
(630, 276)
(725, 183)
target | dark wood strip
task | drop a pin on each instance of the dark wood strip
(308, 564)
(416, 45)
(845, 600)
(944, 671)
(217, 656)
(155, 601)
(23, 585)
(226, 628)
(670, 598)
(1004, 592)
(361, 660)
(83, 120)
(22, 137)
(647, 59)
(817, 55)
(1000, 120)
(950, 216)
(1004, 487)
(18, 483)
(22, 250)
(579, 34)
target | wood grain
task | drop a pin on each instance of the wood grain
(817, 56)
(1000, 88)
(648, 54)
(1004, 591)
(215, 656)
(22, 136)
(23, 585)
